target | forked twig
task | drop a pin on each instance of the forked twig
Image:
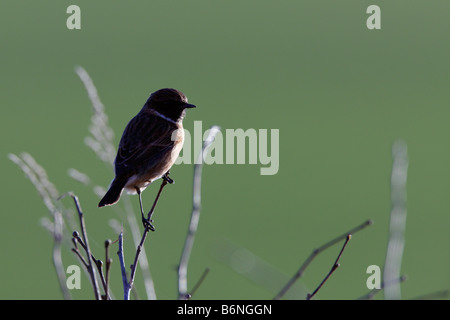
(98, 263)
(85, 243)
(333, 268)
(143, 260)
(128, 284)
(315, 252)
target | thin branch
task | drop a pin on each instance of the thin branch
(76, 239)
(333, 268)
(195, 215)
(90, 268)
(77, 251)
(108, 261)
(144, 266)
(134, 265)
(152, 210)
(99, 263)
(128, 285)
(315, 252)
(197, 285)
(136, 235)
(126, 290)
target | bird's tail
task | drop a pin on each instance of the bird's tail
(113, 194)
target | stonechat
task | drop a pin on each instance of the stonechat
(150, 144)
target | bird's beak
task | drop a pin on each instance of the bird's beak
(188, 105)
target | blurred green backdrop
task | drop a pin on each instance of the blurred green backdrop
(339, 93)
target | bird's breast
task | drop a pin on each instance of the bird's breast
(142, 180)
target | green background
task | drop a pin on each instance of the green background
(340, 95)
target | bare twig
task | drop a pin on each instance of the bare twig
(333, 268)
(134, 265)
(152, 210)
(195, 215)
(75, 240)
(197, 285)
(98, 263)
(396, 243)
(126, 289)
(90, 268)
(136, 235)
(128, 285)
(108, 261)
(143, 260)
(315, 252)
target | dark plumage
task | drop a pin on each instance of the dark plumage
(150, 144)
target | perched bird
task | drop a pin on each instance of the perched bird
(150, 144)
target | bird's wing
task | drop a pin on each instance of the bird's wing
(145, 141)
